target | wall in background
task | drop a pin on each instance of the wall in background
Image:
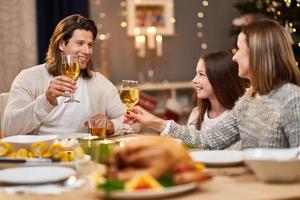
(17, 39)
(180, 52)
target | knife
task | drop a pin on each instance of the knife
(26, 160)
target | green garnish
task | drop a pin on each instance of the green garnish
(190, 146)
(167, 180)
(111, 185)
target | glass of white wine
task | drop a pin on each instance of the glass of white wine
(70, 68)
(129, 94)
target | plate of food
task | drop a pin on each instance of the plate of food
(25, 141)
(218, 157)
(40, 154)
(150, 167)
(152, 193)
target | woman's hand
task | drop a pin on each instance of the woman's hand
(140, 115)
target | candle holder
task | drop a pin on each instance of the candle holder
(87, 144)
(149, 51)
(103, 150)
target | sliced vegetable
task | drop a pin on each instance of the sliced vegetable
(5, 149)
(142, 181)
(22, 153)
(38, 149)
(56, 151)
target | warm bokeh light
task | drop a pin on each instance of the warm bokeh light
(102, 36)
(200, 14)
(200, 35)
(102, 15)
(172, 20)
(205, 3)
(123, 4)
(199, 25)
(233, 51)
(123, 24)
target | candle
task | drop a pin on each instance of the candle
(159, 45)
(87, 143)
(103, 150)
(136, 36)
(151, 32)
(141, 47)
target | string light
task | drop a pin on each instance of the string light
(172, 20)
(200, 14)
(102, 36)
(123, 5)
(200, 35)
(97, 2)
(204, 46)
(102, 15)
(99, 26)
(123, 24)
(200, 25)
(205, 3)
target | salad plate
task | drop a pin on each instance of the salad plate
(152, 193)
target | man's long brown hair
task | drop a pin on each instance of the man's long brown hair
(62, 33)
(272, 61)
(222, 74)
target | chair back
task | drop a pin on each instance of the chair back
(3, 102)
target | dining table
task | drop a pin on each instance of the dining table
(228, 182)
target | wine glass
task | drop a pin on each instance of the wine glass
(70, 68)
(129, 94)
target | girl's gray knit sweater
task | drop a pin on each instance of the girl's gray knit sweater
(267, 121)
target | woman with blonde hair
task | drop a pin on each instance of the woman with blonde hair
(268, 115)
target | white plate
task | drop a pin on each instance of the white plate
(25, 141)
(153, 194)
(35, 175)
(218, 158)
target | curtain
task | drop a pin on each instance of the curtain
(49, 13)
(17, 39)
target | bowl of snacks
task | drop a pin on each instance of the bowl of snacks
(25, 141)
(273, 165)
(150, 167)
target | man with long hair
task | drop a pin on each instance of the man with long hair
(36, 103)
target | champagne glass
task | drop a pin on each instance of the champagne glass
(129, 94)
(70, 68)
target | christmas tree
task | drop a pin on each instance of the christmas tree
(286, 12)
